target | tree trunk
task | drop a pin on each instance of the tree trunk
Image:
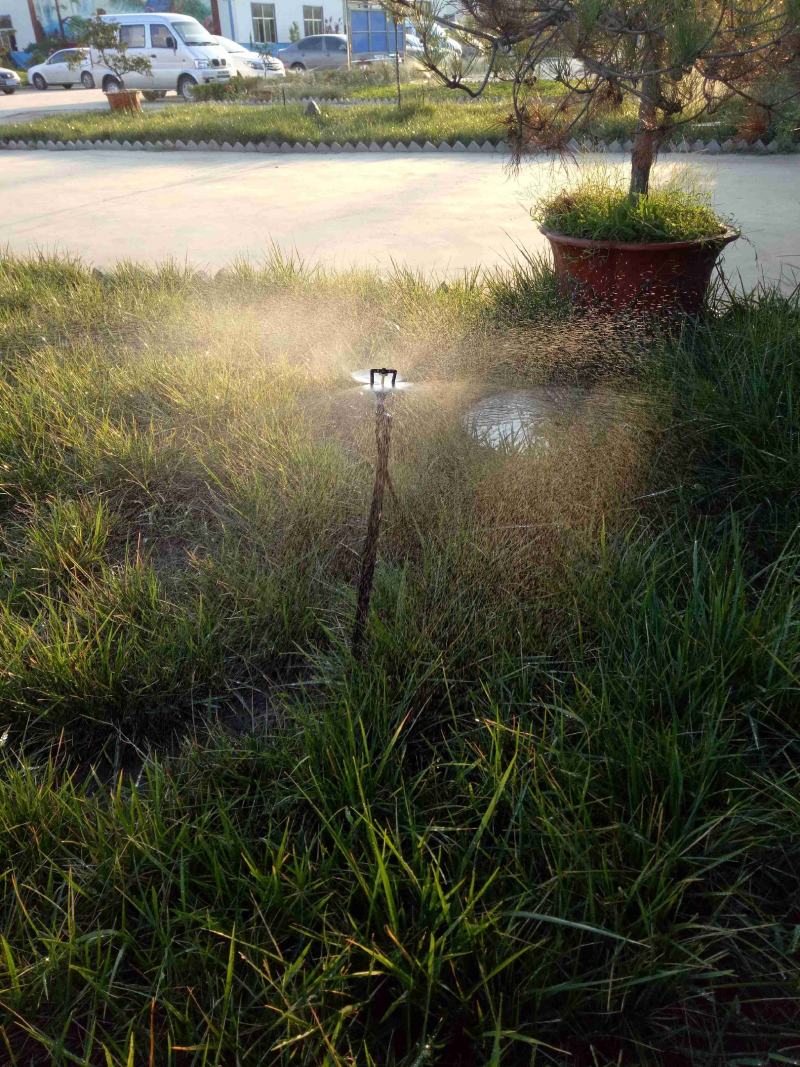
(38, 32)
(647, 139)
(215, 20)
(642, 159)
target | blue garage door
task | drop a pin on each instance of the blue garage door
(373, 31)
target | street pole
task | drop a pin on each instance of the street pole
(397, 63)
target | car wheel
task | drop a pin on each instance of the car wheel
(299, 67)
(39, 82)
(186, 84)
(154, 94)
(67, 85)
(111, 85)
(9, 92)
(87, 81)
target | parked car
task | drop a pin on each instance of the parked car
(67, 67)
(324, 51)
(182, 54)
(440, 39)
(250, 64)
(10, 81)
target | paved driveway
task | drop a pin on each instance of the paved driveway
(433, 212)
(28, 103)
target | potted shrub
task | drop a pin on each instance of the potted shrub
(618, 249)
(673, 62)
(104, 40)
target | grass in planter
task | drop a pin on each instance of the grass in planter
(237, 122)
(556, 807)
(598, 207)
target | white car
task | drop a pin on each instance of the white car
(250, 64)
(442, 40)
(67, 67)
(10, 81)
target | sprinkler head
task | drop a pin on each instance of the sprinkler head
(384, 373)
(380, 381)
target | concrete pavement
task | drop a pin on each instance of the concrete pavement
(437, 213)
(27, 103)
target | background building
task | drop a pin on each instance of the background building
(251, 22)
(33, 19)
(274, 24)
(17, 26)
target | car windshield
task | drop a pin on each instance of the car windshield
(231, 46)
(193, 33)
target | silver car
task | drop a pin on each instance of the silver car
(9, 81)
(324, 51)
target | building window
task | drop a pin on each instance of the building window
(313, 21)
(264, 31)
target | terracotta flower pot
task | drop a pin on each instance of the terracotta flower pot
(125, 100)
(661, 276)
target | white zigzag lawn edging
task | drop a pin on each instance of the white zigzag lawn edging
(712, 147)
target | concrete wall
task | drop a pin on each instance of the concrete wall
(236, 19)
(21, 21)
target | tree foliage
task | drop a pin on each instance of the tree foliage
(677, 59)
(112, 51)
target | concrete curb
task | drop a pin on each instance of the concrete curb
(327, 148)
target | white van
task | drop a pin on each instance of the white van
(182, 54)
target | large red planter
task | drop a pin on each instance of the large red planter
(659, 277)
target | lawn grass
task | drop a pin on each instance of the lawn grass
(552, 816)
(240, 122)
(356, 88)
(427, 115)
(432, 91)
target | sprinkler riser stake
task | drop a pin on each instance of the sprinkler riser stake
(369, 554)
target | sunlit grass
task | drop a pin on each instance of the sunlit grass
(241, 122)
(598, 206)
(555, 806)
(428, 113)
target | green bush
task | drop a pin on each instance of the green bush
(235, 90)
(40, 50)
(780, 118)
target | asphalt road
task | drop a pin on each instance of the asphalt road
(438, 213)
